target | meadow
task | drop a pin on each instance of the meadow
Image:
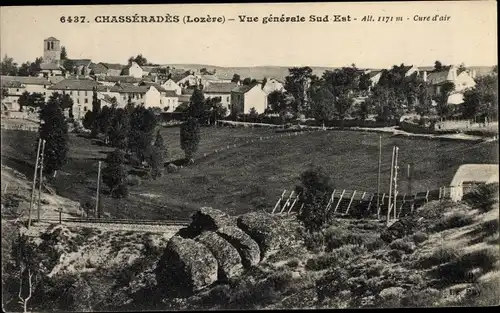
(252, 176)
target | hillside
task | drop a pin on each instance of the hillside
(280, 72)
(445, 254)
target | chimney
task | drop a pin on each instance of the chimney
(425, 76)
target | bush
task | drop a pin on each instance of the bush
(374, 244)
(293, 263)
(337, 237)
(172, 168)
(334, 258)
(133, 180)
(419, 237)
(455, 220)
(482, 197)
(403, 245)
(120, 192)
(462, 268)
(314, 241)
(440, 256)
(332, 283)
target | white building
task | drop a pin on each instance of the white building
(222, 90)
(244, 98)
(172, 86)
(133, 70)
(273, 84)
(469, 175)
(17, 85)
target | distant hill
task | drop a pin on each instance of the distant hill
(278, 72)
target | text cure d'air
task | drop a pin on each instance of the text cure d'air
(415, 18)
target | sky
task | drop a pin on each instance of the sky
(469, 36)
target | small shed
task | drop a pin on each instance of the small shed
(469, 175)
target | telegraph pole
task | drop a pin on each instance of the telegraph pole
(378, 177)
(98, 187)
(409, 178)
(34, 182)
(396, 181)
(41, 181)
(390, 186)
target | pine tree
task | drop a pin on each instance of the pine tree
(54, 130)
(96, 110)
(157, 156)
(197, 104)
(114, 176)
(190, 138)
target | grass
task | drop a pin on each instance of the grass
(252, 176)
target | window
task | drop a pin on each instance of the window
(85, 109)
(15, 101)
(77, 101)
(227, 99)
(86, 100)
(78, 93)
(17, 89)
(85, 93)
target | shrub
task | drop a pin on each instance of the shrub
(461, 269)
(172, 168)
(120, 192)
(133, 180)
(403, 245)
(374, 244)
(314, 241)
(334, 258)
(482, 197)
(440, 256)
(396, 255)
(337, 237)
(455, 220)
(293, 263)
(422, 298)
(332, 283)
(419, 237)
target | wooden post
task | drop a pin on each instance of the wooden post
(338, 203)
(381, 204)
(379, 168)
(60, 215)
(287, 201)
(427, 196)
(332, 197)
(40, 182)
(5, 189)
(279, 201)
(34, 182)
(390, 186)
(98, 187)
(293, 203)
(350, 202)
(370, 203)
(396, 182)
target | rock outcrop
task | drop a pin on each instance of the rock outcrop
(228, 258)
(262, 228)
(247, 248)
(205, 219)
(186, 266)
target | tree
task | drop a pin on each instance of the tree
(482, 100)
(277, 101)
(236, 78)
(190, 138)
(119, 129)
(139, 59)
(297, 84)
(32, 100)
(443, 109)
(264, 82)
(88, 120)
(216, 110)
(4, 93)
(157, 156)
(69, 65)
(24, 69)
(322, 105)
(197, 104)
(424, 101)
(385, 103)
(64, 54)
(96, 110)
(114, 176)
(8, 67)
(34, 68)
(315, 190)
(438, 66)
(364, 82)
(67, 103)
(252, 114)
(461, 68)
(143, 123)
(104, 119)
(54, 130)
(247, 81)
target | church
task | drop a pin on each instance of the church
(51, 65)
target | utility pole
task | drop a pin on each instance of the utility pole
(390, 186)
(396, 181)
(378, 177)
(98, 187)
(40, 182)
(34, 182)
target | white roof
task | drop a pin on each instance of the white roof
(475, 173)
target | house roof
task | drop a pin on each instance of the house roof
(81, 62)
(26, 80)
(176, 77)
(156, 85)
(11, 84)
(475, 173)
(438, 77)
(126, 88)
(243, 88)
(114, 66)
(122, 79)
(75, 84)
(51, 39)
(219, 87)
(184, 98)
(373, 73)
(50, 66)
(170, 94)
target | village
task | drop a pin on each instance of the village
(168, 89)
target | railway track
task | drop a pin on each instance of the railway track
(120, 221)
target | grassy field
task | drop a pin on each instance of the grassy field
(253, 176)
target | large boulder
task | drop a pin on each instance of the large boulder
(262, 228)
(247, 248)
(228, 258)
(206, 219)
(186, 266)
